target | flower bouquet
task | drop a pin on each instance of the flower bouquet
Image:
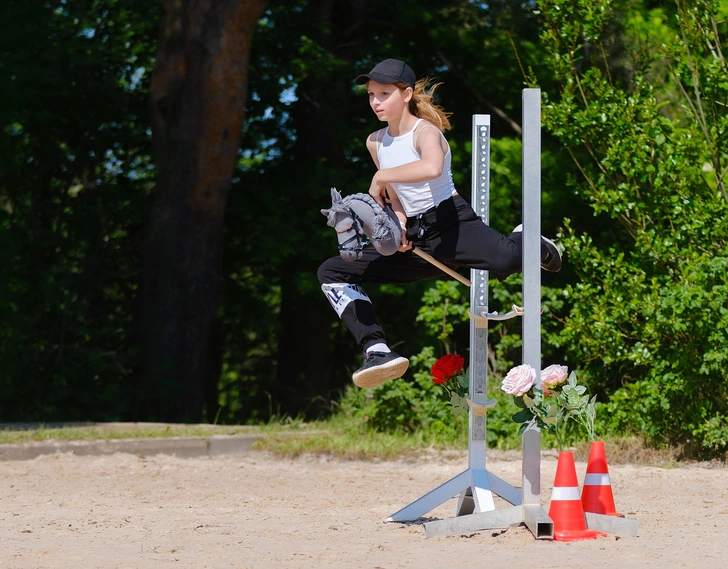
(550, 399)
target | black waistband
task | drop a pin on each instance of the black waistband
(436, 219)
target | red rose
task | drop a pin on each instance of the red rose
(446, 367)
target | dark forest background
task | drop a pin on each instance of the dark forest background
(163, 164)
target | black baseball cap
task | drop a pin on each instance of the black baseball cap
(389, 71)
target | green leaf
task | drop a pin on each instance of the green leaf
(522, 416)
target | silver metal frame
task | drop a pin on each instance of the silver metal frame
(475, 509)
(475, 486)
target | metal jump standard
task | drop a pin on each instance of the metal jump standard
(475, 486)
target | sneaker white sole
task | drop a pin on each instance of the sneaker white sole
(377, 375)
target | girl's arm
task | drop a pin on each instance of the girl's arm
(429, 146)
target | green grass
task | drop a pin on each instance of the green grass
(349, 438)
(340, 437)
(17, 434)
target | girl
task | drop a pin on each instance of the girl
(413, 177)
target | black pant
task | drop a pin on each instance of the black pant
(452, 233)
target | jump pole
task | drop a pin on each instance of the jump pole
(474, 487)
(534, 515)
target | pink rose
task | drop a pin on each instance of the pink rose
(519, 380)
(554, 375)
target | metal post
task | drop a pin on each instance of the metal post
(532, 277)
(478, 364)
(478, 497)
(534, 515)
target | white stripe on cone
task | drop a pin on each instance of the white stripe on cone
(596, 480)
(559, 493)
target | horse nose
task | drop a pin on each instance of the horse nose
(350, 255)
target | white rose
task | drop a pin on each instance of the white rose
(519, 380)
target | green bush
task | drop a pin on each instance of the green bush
(406, 404)
(648, 318)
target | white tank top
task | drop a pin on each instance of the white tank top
(416, 197)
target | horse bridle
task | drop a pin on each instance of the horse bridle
(358, 231)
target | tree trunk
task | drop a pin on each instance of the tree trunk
(197, 103)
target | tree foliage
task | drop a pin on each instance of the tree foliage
(75, 174)
(634, 159)
(78, 179)
(649, 137)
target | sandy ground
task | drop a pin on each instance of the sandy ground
(253, 511)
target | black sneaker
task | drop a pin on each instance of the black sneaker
(379, 367)
(552, 262)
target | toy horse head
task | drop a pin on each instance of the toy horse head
(358, 220)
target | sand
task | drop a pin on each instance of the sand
(255, 511)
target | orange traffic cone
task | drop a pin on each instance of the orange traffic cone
(565, 509)
(596, 495)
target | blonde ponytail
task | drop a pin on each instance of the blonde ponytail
(422, 104)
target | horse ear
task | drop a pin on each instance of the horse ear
(325, 212)
(335, 196)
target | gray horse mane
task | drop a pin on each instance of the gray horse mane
(380, 225)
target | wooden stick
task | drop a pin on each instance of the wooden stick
(439, 265)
